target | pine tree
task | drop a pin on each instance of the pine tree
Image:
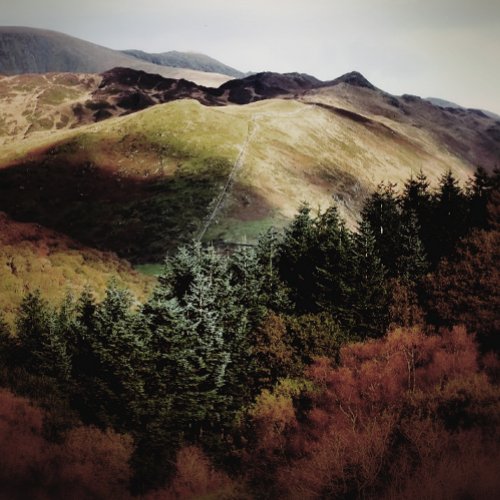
(369, 299)
(274, 292)
(417, 199)
(8, 344)
(247, 283)
(411, 263)
(44, 347)
(107, 354)
(381, 213)
(295, 260)
(332, 267)
(450, 220)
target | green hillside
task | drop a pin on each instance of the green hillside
(141, 184)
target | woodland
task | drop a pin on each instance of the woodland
(323, 362)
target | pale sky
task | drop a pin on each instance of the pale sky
(438, 48)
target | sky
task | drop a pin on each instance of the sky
(432, 48)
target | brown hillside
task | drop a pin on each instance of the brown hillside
(33, 257)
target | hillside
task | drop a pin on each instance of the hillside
(30, 253)
(31, 50)
(135, 163)
(140, 184)
(192, 60)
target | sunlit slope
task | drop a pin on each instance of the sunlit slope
(30, 104)
(468, 134)
(32, 257)
(142, 183)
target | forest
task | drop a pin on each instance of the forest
(321, 363)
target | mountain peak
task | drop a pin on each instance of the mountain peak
(355, 79)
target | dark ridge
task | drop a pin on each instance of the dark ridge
(353, 78)
(132, 90)
(345, 113)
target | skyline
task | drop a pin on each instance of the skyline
(445, 48)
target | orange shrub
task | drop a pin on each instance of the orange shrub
(408, 402)
(89, 464)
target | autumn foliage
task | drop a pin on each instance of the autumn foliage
(87, 464)
(409, 403)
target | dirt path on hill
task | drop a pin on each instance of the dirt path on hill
(253, 126)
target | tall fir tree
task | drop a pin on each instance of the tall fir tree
(332, 267)
(274, 292)
(295, 256)
(416, 199)
(411, 263)
(369, 298)
(44, 348)
(381, 213)
(450, 218)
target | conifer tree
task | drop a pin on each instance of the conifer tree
(274, 292)
(417, 199)
(411, 263)
(43, 345)
(369, 299)
(295, 264)
(8, 344)
(381, 213)
(332, 266)
(450, 220)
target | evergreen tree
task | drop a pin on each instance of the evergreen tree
(43, 345)
(416, 199)
(274, 292)
(332, 267)
(106, 358)
(295, 257)
(8, 344)
(381, 213)
(369, 299)
(478, 196)
(450, 219)
(411, 263)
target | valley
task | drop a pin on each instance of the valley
(243, 285)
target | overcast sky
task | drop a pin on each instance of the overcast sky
(439, 48)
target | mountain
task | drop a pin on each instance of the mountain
(448, 104)
(192, 60)
(136, 164)
(31, 50)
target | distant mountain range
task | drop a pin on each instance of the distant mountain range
(442, 103)
(192, 60)
(31, 50)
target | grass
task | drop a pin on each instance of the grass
(152, 269)
(32, 257)
(53, 96)
(142, 184)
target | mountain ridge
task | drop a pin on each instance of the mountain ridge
(33, 50)
(192, 60)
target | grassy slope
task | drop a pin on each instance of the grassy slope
(33, 257)
(31, 104)
(141, 184)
